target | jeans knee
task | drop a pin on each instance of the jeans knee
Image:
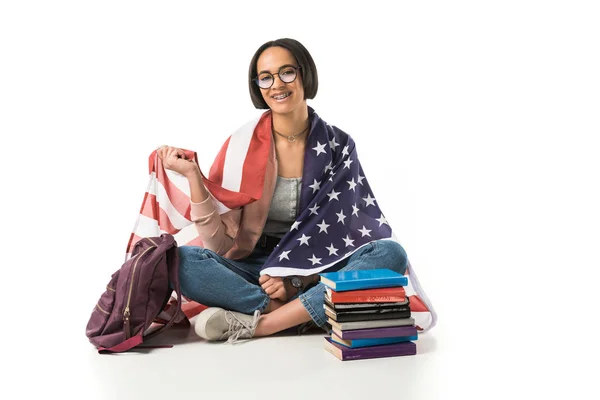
(396, 252)
(188, 255)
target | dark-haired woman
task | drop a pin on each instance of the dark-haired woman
(245, 301)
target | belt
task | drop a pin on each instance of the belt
(267, 242)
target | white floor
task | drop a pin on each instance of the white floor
(284, 366)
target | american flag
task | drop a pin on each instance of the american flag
(338, 210)
(338, 214)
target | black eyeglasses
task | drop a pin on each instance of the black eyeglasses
(287, 74)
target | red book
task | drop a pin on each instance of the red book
(379, 295)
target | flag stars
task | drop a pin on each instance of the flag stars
(360, 179)
(328, 167)
(295, 225)
(349, 242)
(352, 185)
(347, 163)
(314, 260)
(323, 227)
(382, 220)
(332, 250)
(333, 144)
(333, 195)
(315, 186)
(355, 210)
(365, 232)
(345, 150)
(304, 239)
(331, 175)
(284, 254)
(341, 217)
(369, 200)
(313, 210)
(320, 148)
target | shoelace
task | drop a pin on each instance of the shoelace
(238, 328)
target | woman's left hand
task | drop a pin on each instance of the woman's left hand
(274, 286)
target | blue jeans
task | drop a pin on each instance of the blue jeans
(215, 281)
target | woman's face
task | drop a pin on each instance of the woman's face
(281, 97)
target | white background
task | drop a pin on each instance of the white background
(476, 124)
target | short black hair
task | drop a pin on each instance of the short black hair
(308, 70)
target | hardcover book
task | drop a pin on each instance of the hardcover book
(357, 343)
(341, 281)
(387, 350)
(370, 333)
(400, 305)
(368, 315)
(377, 323)
(378, 295)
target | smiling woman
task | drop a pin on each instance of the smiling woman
(276, 184)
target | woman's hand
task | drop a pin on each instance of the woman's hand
(275, 287)
(174, 159)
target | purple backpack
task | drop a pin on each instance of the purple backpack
(135, 295)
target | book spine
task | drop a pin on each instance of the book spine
(358, 285)
(340, 298)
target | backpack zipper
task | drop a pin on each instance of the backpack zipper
(127, 313)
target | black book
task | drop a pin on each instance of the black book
(398, 306)
(366, 315)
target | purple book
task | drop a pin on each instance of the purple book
(387, 350)
(372, 333)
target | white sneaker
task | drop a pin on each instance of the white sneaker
(215, 323)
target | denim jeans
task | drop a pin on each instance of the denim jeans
(215, 281)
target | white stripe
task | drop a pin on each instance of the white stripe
(152, 184)
(221, 208)
(186, 235)
(415, 286)
(146, 227)
(177, 220)
(235, 156)
(422, 319)
(179, 181)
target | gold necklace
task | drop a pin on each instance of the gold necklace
(291, 138)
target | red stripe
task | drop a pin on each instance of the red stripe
(150, 206)
(133, 239)
(416, 304)
(153, 211)
(191, 309)
(194, 242)
(164, 222)
(255, 164)
(216, 170)
(179, 200)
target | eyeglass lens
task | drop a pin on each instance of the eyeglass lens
(286, 74)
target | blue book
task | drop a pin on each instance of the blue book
(355, 343)
(363, 279)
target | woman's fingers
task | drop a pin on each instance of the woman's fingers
(270, 290)
(278, 294)
(162, 151)
(263, 279)
(273, 288)
(171, 152)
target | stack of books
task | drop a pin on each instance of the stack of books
(369, 314)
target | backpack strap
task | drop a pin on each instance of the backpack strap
(173, 277)
(123, 346)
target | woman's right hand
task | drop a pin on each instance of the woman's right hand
(174, 159)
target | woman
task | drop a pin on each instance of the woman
(243, 303)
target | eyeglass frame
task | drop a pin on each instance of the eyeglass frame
(295, 68)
